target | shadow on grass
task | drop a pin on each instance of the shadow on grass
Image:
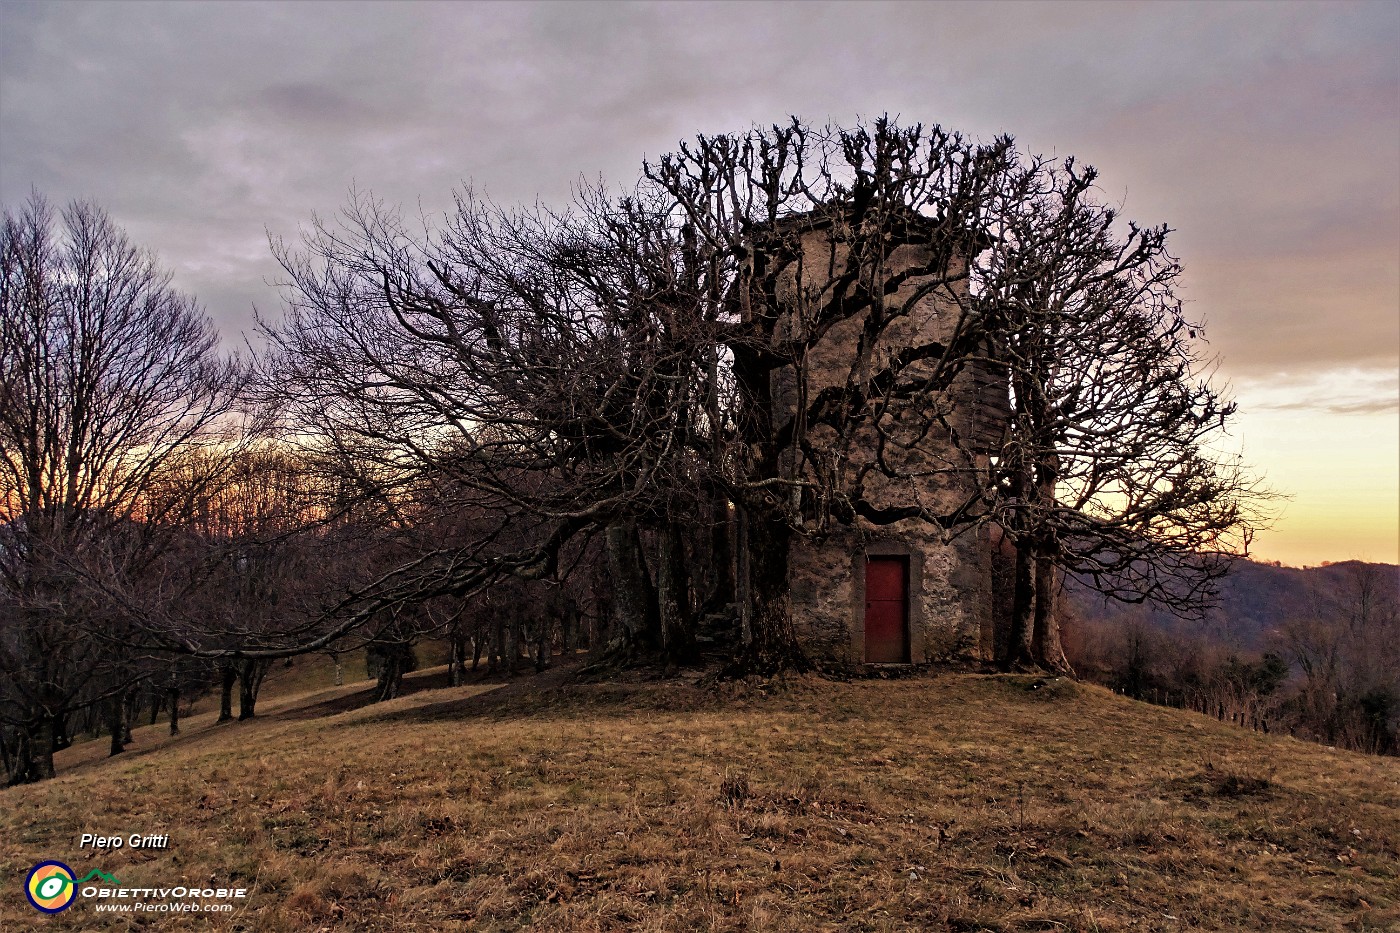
(314, 708)
(328, 702)
(559, 693)
(554, 694)
(436, 678)
(1214, 783)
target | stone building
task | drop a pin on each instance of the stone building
(904, 591)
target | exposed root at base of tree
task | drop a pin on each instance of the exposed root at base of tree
(1032, 666)
(767, 663)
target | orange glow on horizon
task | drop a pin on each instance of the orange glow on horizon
(1342, 472)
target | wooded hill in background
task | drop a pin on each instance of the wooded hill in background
(1255, 598)
(1313, 651)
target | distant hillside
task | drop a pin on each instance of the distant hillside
(1255, 598)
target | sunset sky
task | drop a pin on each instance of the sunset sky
(1267, 135)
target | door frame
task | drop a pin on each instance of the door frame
(913, 610)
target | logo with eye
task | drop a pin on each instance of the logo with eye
(50, 887)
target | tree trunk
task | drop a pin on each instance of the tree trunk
(390, 678)
(634, 598)
(395, 660)
(455, 661)
(247, 699)
(1046, 649)
(229, 674)
(116, 708)
(1018, 648)
(673, 586)
(250, 677)
(34, 756)
(568, 626)
(769, 639)
(129, 716)
(173, 697)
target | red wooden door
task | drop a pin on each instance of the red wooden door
(887, 610)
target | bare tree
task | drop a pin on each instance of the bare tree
(530, 363)
(1110, 467)
(108, 376)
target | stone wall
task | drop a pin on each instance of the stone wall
(953, 606)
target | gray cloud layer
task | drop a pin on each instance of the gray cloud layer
(1269, 134)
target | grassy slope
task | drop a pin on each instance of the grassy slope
(955, 802)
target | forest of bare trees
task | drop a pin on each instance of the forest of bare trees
(1327, 667)
(522, 431)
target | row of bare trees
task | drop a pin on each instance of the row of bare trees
(111, 383)
(629, 384)
(1346, 653)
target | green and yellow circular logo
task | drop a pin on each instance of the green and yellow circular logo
(50, 887)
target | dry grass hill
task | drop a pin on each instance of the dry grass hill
(942, 802)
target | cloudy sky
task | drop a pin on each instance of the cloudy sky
(1267, 134)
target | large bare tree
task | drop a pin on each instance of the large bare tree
(539, 368)
(1113, 465)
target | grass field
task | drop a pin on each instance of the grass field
(954, 801)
